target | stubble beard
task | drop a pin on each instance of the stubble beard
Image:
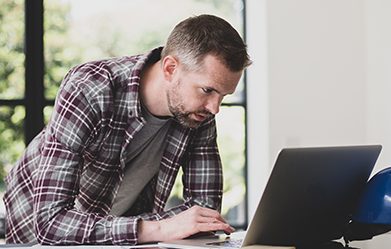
(176, 107)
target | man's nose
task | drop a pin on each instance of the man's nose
(213, 105)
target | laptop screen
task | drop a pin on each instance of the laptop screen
(311, 194)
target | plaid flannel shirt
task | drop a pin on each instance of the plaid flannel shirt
(63, 187)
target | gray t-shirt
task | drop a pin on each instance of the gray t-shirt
(142, 161)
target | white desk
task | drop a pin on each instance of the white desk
(378, 242)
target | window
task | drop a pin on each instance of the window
(79, 31)
(12, 110)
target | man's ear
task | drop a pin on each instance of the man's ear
(170, 65)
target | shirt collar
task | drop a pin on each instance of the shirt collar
(133, 85)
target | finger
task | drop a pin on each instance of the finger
(209, 220)
(204, 219)
(207, 212)
(218, 226)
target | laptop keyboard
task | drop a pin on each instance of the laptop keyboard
(233, 243)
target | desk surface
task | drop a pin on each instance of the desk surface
(378, 242)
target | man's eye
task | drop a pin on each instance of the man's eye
(207, 90)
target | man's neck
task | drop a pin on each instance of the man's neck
(153, 90)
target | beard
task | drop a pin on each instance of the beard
(177, 108)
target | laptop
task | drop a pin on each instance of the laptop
(308, 199)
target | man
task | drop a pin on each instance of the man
(103, 168)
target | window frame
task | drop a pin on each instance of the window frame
(34, 100)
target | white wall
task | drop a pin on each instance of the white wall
(378, 66)
(307, 86)
(316, 73)
(321, 76)
(257, 102)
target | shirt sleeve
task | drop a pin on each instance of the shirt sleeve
(75, 121)
(203, 175)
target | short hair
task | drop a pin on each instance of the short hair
(195, 37)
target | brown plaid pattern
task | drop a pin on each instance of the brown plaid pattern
(63, 187)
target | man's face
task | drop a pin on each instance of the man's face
(194, 96)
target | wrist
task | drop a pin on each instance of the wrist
(149, 231)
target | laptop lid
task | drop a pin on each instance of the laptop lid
(310, 195)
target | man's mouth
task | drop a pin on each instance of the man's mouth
(199, 117)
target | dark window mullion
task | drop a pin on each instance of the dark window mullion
(11, 102)
(242, 104)
(34, 64)
(49, 102)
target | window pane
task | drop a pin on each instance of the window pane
(11, 138)
(47, 112)
(11, 49)
(80, 31)
(231, 141)
(11, 147)
(60, 53)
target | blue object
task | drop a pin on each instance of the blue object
(375, 204)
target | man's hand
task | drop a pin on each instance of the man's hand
(194, 220)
